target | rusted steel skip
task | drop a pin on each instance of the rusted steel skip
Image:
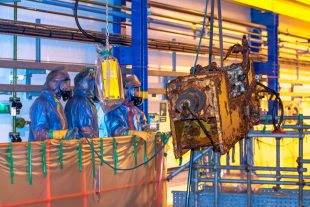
(215, 106)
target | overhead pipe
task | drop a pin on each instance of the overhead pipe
(9, 27)
(62, 14)
(199, 23)
(187, 27)
(155, 21)
(200, 14)
(283, 61)
(103, 4)
(234, 21)
(226, 19)
(82, 7)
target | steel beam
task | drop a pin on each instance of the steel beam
(140, 47)
(271, 21)
(116, 29)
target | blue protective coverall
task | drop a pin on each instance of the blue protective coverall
(102, 122)
(126, 117)
(46, 113)
(81, 111)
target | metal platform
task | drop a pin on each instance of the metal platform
(266, 198)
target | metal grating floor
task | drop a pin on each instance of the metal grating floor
(267, 198)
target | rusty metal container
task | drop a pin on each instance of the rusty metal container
(216, 106)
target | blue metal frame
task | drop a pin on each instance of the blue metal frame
(270, 68)
(116, 28)
(267, 197)
(140, 47)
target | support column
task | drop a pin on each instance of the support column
(270, 68)
(116, 28)
(140, 47)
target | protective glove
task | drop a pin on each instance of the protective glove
(72, 133)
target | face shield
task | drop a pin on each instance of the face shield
(58, 82)
(84, 83)
(132, 90)
(133, 94)
(65, 89)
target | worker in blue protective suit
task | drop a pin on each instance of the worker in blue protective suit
(46, 113)
(102, 122)
(80, 110)
(128, 119)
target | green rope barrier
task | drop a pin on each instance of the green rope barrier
(101, 151)
(155, 145)
(145, 152)
(115, 154)
(155, 150)
(80, 156)
(61, 161)
(43, 144)
(180, 161)
(134, 139)
(11, 162)
(29, 163)
(266, 122)
(93, 159)
(164, 139)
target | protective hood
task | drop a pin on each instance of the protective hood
(53, 83)
(84, 84)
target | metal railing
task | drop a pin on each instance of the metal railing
(277, 178)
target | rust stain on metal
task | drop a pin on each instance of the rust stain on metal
(224, 100)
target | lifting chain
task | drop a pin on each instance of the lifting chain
(107, 44)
